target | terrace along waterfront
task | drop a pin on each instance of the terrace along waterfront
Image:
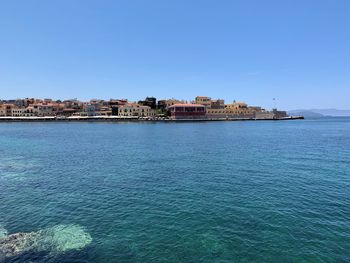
(269, 191)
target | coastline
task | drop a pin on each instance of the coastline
(133, 119)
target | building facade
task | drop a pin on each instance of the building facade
(187, 111)
(217, 104)
(135, 110)
(203, 100)
(17, 112)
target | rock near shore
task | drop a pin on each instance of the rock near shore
(55, 240)
(15, 244)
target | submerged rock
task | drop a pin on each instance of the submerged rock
(212, 244)
(53, 240)
(15, 244)
(61, 238)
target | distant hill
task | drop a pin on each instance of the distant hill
(319, 113)
(333, 112)
(306, 113)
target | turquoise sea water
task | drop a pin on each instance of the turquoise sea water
(262, 191)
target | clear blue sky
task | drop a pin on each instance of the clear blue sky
(297, 51)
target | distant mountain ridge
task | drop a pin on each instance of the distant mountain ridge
(319, 113)
(305, 113)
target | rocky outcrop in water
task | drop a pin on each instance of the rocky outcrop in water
(15, 244)
(53, 240)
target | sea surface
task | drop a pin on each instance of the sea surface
(264, 191)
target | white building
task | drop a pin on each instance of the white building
(17, 112)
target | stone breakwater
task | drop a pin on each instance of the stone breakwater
(57, 239)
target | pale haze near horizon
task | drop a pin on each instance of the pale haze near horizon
(295, 51)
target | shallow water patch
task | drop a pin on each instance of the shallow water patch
(17, 167)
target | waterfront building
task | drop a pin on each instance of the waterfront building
(217, 104)
(171, 102)
(29, 111)
(163, 105)
(115, 104)
(45, 109)
(17, 112)
(150, 102)
(58, 108)
(238, 110)
(88, 110)
(2, 111)
(67, 112)
(135, 110)
(146, 111)
(6, 109)
(237, 105)
(203, 100)
(104, 111)
(40, 109)
(187, 111)
(74, 104)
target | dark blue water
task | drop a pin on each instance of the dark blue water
(262, 191)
